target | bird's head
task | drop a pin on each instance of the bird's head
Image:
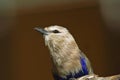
(55, 34)
(57, 37)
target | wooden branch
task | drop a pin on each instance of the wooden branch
(96, 77)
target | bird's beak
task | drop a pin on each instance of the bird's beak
(41, 30)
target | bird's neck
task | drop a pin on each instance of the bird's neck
(66, 57)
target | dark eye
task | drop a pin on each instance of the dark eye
(55, 31)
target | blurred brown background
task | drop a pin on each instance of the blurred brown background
(94, 24)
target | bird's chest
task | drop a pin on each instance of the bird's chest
(65, 67)
(71, 68)
(68, 71)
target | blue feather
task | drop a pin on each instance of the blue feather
(84, 66)
(82, 72)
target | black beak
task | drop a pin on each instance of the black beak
(41, 30)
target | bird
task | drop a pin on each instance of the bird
(68, 61)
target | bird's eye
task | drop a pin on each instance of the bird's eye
(55, 31)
